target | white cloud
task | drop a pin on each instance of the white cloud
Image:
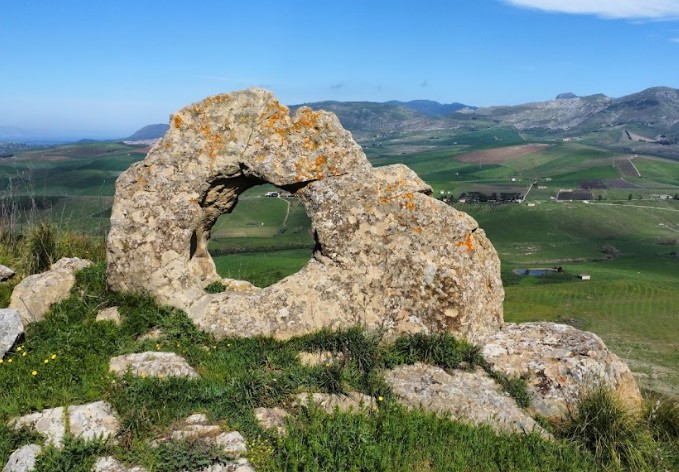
(675, 40)
(630, 9)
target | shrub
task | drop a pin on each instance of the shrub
(663, 419)
(602, 425)
(41, 248)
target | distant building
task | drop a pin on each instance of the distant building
(272, 194)
(584, 276)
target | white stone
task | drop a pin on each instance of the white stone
(49, 423)
(232, 443)
(95, 420)
(23, 459)
(35, 294)
(109, 314)
(152, 364)
(352, 401)
(312, 359)
(470, 397)
(11, 328)
(110, 464)
(269, 418)
(5, 273)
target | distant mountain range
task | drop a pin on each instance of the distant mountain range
(654, 111)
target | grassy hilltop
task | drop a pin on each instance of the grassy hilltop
(624, 236)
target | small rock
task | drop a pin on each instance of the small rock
(233, 285)
(23, 459)
(313, 359)
(154, 335)
(109, 314)
(269, 418)
(49, 423)
(11, 328)
(232, 443)
(559, 362)
(89, 421)
(241, 465)
(109, 464)
(329, 401)
(5, 273)
(152, 364)
(472, 397)
(198, 427)
(93, 421)
(35, 294)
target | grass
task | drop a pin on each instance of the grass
(238, 375)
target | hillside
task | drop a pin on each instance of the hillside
(149, 132)
(652, 115)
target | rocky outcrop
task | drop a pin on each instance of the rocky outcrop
(559, 363)
(470, 397)
(5, 273)
(90, 421)
(35, 294)
(152, 364)
(388, 255)
(11, 328)
(23, 459)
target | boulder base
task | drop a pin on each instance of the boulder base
(559, 363)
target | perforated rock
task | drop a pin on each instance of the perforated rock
(388, 255)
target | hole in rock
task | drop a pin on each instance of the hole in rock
(266, 237)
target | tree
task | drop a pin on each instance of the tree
(630, 196)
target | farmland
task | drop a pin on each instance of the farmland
(626, 237)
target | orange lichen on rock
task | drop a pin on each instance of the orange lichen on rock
(214, 141)
(177, 121)
(468, 243)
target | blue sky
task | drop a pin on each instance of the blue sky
(105, 68)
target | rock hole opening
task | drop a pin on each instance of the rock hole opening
(263, 237)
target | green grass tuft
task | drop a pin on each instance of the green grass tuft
(615, 436)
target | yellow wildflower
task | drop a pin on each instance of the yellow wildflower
(23, 354)
(9, 361)
(54, 356)
(34, 373)
(46, 361)
(380, 398)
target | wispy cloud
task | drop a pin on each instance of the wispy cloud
(338, 85)
(424, 83)
(617, 9)
(675, 40)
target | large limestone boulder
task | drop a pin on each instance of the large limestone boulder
(470, 397)
(11, 328)
(559, 363)
(388, 255)
(35, 294)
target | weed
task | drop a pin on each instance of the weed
(602, 425)
(662, 417)
(215, 287)
(41, 247)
